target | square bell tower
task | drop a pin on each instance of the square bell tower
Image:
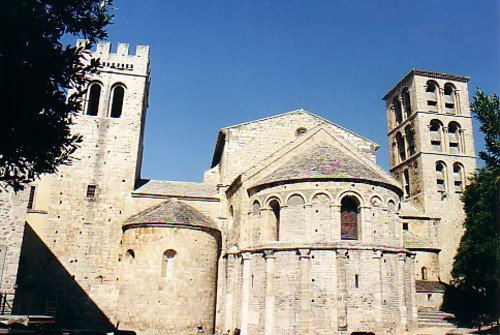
(431, 149)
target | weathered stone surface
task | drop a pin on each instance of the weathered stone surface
(258, 246)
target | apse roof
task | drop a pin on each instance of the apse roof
(323, 161)
(172, 212)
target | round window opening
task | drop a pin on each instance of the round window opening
(300, 131)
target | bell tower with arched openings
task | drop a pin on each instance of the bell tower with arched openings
(431, 150)
(77, 213)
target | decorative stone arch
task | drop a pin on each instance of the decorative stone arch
(320, 194)
(117, 99)
(376, 201)
(296, 199)
(391, 205)
(271, 197)
(355, 194)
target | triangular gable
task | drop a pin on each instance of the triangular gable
(219, 147)
(314, 137)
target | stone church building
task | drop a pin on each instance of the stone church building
(294, 230)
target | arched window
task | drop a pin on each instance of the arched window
(398, 113)
(391, 206)
(400, 142)
(349, 218)
(458, 177)
(436, 131)
(129, 256)
(167, 268)
(431, 92)
(424, 273)
(275, 218)
(93, 99)
(406, 183)
(410, 140)
(449, 98)
(256, 208)
(118, 93)
(407, 102)
(441, 176)
(454, 137)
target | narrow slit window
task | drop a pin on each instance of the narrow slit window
(31, 200)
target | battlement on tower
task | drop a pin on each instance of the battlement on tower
(121, 60)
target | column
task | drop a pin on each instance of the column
(269, 304)
(245, 293)
(377, 294)
(458, 105)
(402, 109)
(231, 275)
(335, 215)
(445, 143)
(401, 291)
(440, 100)
(413, 294)
(231, 280)
(305, 294)
(342, 256)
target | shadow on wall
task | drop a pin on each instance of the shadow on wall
(46, 288)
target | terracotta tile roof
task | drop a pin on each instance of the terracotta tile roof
(429, 286)
(172, 212)
(162, 188)
(323, 161)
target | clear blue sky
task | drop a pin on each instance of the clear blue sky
(218, 63)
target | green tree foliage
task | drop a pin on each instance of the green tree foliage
(476, 269)
(486, 110)
(36, 73)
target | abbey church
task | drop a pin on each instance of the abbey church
(294, 230)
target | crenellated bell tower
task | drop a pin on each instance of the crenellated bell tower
(77, 213)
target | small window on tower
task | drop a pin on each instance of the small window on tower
(91, 191)
(405, 226)
(31, 200)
